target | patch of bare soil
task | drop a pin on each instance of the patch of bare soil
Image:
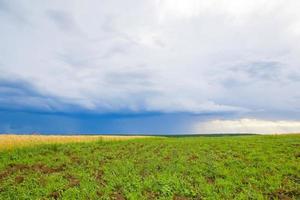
(75, 159)
(99, 177)
(293, 178)
(48, 170)
(167, 158)
(151, 195)
(118, 196)
(284, 194)
(99, 193)
(175, 197)
(19, 179)
(73, 181)
(54, 195)
(210, 180)
(42, 168)
(193, 158)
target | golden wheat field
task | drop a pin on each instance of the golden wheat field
(11, 141)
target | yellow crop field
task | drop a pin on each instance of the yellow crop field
(10, 141)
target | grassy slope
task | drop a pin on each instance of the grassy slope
(241, 167)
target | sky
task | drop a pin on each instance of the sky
(149, 67)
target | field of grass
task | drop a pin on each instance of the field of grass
(226, 167)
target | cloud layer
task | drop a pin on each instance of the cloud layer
(248, 126)
(236, 56)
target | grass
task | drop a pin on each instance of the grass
(228, 167)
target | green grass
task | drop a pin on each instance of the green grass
(228, 167)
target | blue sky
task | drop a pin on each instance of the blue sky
(165, 66)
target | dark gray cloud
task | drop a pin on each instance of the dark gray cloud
(18, 94)
(184, 56)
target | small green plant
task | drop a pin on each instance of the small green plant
(226, 167)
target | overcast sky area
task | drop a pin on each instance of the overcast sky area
(151, 66)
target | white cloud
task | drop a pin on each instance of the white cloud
(248, 126)
(170, 56)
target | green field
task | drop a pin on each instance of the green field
(179, 168)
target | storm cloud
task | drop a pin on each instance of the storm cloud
(235, 57)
